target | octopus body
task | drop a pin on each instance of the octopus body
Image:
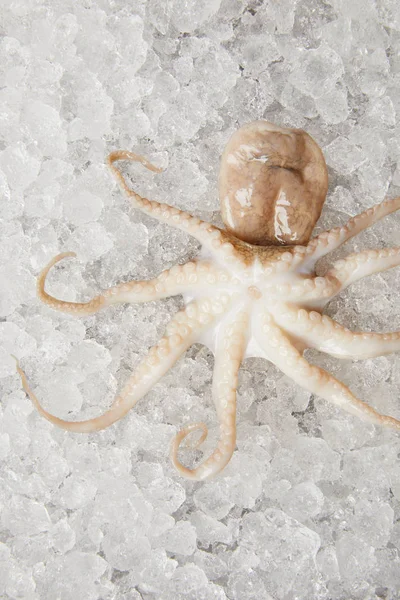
(254, 291)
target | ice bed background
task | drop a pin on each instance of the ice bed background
(309, 505)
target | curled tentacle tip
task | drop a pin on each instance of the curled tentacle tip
(126, 155)
(17, 362)
(196, 473)
(185, 432)
(176, 442)
(18, 368)
(194, 444)
(60, 257)
(116, 155)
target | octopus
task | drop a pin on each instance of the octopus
(253, 291)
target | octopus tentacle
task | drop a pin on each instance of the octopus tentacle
(183, 330)
(324, 334)
(361, 264)
(228, 355)
(178, 279)
(328, 241)
(317, 291)
(281, 352)
(213, 238)
(311, 290)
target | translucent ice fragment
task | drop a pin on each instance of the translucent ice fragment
(181, 539)
(82, 208)
(317, 71)
(189, 15)
(20, 166)
(303, 501)
(344, 156)
(25, 516)
(46, 129)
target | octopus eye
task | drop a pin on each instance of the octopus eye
(272, 185)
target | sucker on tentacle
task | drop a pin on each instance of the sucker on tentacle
(324, 334)
(286, 357)
(211, 237)
(229, 352)
(328, 241)
(183, 331)
(176, 280)
(362, 264)
(257, 294)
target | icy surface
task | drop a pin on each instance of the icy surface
(308, 508)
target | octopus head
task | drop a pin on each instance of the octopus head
(272, 186)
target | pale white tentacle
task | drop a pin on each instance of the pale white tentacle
(310, 290)
(328, 241)
(362, 264)
(183, 330)
(323, 333)
(215, 240)
(230, 346)
(315, 292)
(281, 352)
(177, 280)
